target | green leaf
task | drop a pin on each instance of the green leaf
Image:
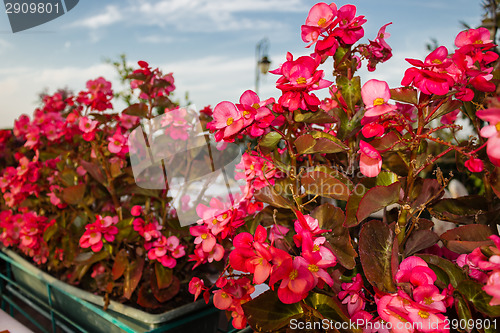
(267, 313)
(466, 238)
(378, 251)
(331, 217)
(120, 264)
(50, 231)
(405, 95)
(163, 275)
(386, 178)
(318, 117)
(163, 295)
(74, 194)
(269, 195)
(319, 142)
(353, 204)
(455, 274)
(473, 292)
(351, 90)
(137, 109)
(94, 170)
(329, 308)
(133, 274)
(463, 309)
(464, 210)
(269, 142)
(376, 199)
(420, 240)
(323, 184)
(447, 107)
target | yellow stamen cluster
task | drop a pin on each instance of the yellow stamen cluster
(423, 314)
(378, 101)
(321, 22)
(301, 80)
(497, 126)
(437, 62)
(293, 274)
(255, 106)
(204, 236)
(313, 268)
(229, 121)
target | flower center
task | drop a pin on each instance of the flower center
(224, 216)
(315, 247)
(229, 121)
(428, 300)
(313, 268)
(224, 295)
(246, 113)
(437, 62)
(214, 221)
(423, 314)
(301, 80)
(293, 274)
(321, 22)
(497, 126)
(255, 106)
(117, 143)
(378, 101)
(478, 41)
(204, 236)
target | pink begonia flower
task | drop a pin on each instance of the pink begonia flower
(136, 210)
(450, 118)
(474, 165)
(375, 95)
(196, 285)
(117, 142)
(228, 121)
(492, 288)
(492, 132)
(416, 271)
(296, 281)
(477, 37)
(370, 162)
(203, 237)
(373, 129)
(320, 17)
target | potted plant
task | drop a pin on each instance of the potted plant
(318, 171)
(71, 205)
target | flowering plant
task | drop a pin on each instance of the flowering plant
(70, 201)
(335, 217)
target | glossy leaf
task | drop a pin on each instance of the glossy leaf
(405, 95)
(137, 109)
(420, 240)
(74, 194)
(166, 294)
(351, 90)
(464, 210)
(318, 117)
(133, 274)
(473, 292)
(325, 185)
(329, 308)
(454, 273)
(463, 310)
(164, 276)
(267, 313)
(269, 141)
(319, 143)
(388, 141)
(466, 238)
(378, 251)
(447, 107)
(376, 199)
(94, 170)
(353, 204)
(120, 264)
(332, 218)
(270, 196)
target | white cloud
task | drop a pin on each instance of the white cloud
(112, 14)
(158, 39)
(194, 15)
(19, 87)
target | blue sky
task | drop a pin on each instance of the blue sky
(209, 45)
